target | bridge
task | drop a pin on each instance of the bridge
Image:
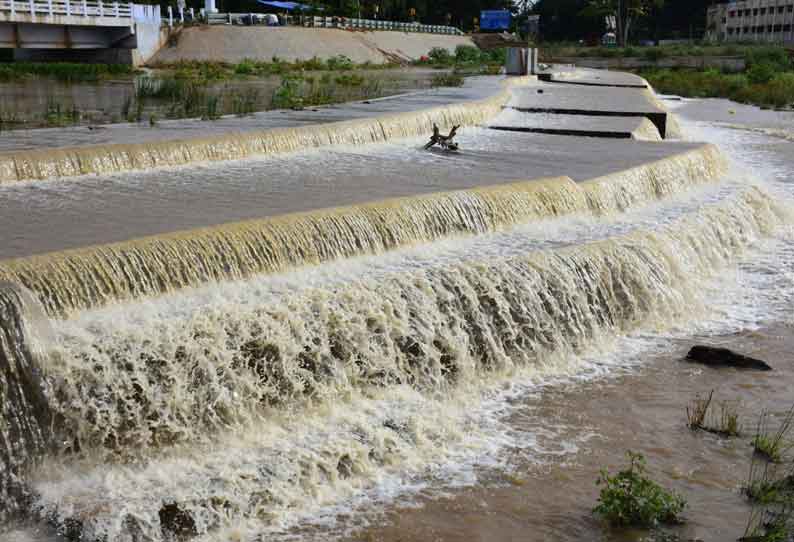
(89, 30)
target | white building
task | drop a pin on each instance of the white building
(752, 20)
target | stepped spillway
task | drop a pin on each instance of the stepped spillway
(191, 350)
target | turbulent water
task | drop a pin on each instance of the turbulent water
(196, 396)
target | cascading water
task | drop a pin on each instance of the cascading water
(174, 379)
(217, 384)
(25, 415)
(84, 278)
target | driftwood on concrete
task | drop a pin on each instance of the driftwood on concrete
(444, 141)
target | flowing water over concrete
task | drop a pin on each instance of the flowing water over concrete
(219, 384)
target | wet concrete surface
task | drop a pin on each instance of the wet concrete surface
(565, 124)
(46, 216)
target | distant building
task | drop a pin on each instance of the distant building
(770, 21)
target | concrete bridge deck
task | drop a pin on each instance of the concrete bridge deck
(36, 28)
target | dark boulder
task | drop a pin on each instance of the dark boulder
(722, 357)
(176, 521)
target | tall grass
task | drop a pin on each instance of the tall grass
(215, 71)
(62, 71)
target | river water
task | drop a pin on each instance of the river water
(44, 102)
(465, 389)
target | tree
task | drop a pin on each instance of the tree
(625, 12)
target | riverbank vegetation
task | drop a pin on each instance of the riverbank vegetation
(209, 90)
(69, 72)
(466, 60)
(658, 52)
(768, 80)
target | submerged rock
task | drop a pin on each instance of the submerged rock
(723, 357)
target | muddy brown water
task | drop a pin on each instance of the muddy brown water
(642, 411)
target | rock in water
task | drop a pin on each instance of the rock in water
(723, 357)
(25, 415)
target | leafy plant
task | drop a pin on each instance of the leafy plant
(630, 498)
(467, 53)
(440, 55)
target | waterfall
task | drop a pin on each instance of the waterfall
(134, 390)
(25, 416)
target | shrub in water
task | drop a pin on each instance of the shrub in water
(630, 498)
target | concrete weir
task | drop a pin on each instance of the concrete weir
(110, 388)
(144, 248)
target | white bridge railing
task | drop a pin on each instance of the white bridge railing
(82, 8)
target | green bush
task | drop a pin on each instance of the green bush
(654, 54)
(246, 67)
(495, 56)
(467, 53)
(775, 57)
(761, 73)
(440, 55)
(630, 498)
(339, 62)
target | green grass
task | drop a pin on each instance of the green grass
(757, 86)
(773, 445)
(447, 80)
(62, 71)
(631, 499)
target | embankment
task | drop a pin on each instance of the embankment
(235, 43)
